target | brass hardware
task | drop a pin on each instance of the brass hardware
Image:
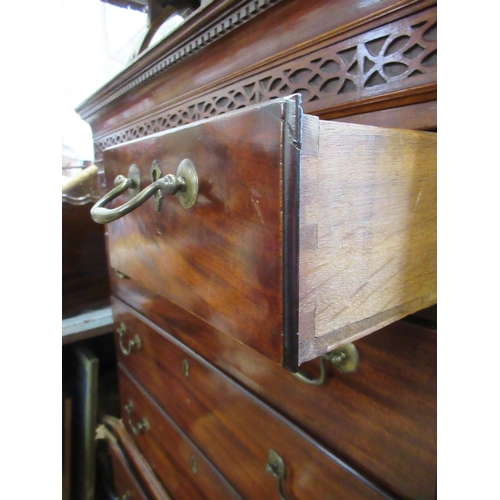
(189, 195)
(135, 343)
(141, 426)
(193, 464)
(184, 184)
(155, 175)
(276, 467)
(135, 174)
(185, 367)
(344, 358)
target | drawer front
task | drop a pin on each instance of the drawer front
(131, 476)
(125, 484)
(386, 410)
(220, 259)
(179, 464)
(305, 234)
(232, 428)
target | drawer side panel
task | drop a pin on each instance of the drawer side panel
(368, 232)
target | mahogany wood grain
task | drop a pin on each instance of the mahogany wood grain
(353, 252)
(368, 230)
(139, 464)
(85, 283)
(382, 419)
(386, 410)
(221, 259)
(182, 468)
(232, 428)
(283, 32)
(124, 481)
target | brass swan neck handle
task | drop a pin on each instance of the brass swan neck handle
(344, 358)
(184, 183)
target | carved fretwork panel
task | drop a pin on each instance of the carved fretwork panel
(400, 55)
(221, 27)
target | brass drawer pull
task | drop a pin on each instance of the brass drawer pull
(141, 426)
(345, 359)
(276, 467)
(184, 184)
(135, 343)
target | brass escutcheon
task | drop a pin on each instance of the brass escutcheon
(156, 175)
(185, 367)
(276, 467)
(193, 464)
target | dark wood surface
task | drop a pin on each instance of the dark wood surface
(85, 283)
(124, 481)
(233, 429)
(386, 410)
(251, 166)
(222, 258)
(386, 432)
(343, 57)
(363, 62)
(135, 461)
(183, 469)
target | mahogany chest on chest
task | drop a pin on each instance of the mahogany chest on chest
(269, 193)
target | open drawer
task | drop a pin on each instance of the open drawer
(291, 234)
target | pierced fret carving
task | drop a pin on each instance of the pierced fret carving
(397, 55)
(213, 33)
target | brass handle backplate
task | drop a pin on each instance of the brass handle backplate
(276, 467)
(184, 184)
(139, 427)
(344, 358)
(134, 343)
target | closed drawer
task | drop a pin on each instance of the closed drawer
(386, 411)
(233, 428)
(177, 462)
(303, 234)
(132, 478)
(125, 484)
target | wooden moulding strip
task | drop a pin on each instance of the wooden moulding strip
(292, 124)
(141, 73)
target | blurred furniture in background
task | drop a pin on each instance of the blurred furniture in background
(89, 362)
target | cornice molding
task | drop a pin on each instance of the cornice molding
(397, 60)
(200, 30)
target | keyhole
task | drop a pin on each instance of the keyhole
(193, 464)
(185, 367)
(156, 175)
(155, 171)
